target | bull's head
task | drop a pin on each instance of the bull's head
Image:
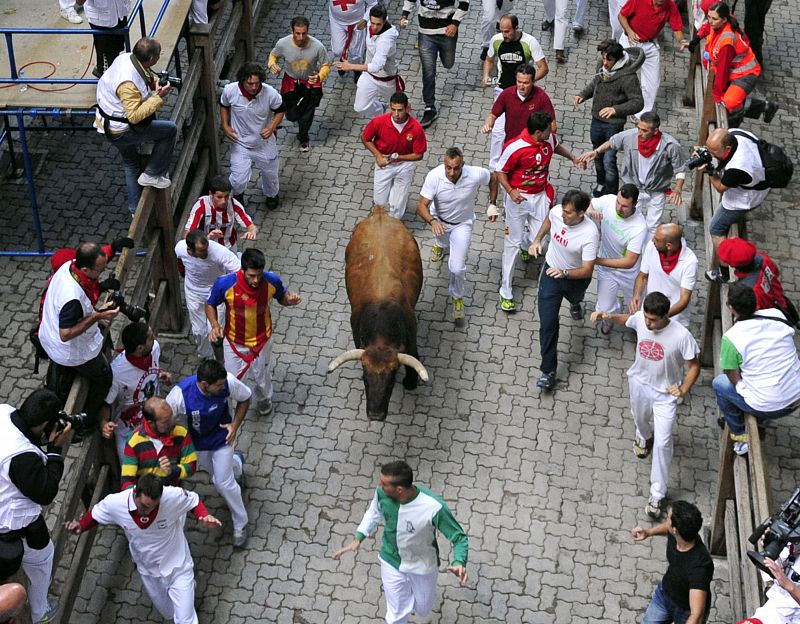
(379, 364)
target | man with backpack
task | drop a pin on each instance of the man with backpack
(744, 178)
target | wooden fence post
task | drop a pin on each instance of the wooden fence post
(168, 266)
(244, 34)
(708, 117)
(200, 38)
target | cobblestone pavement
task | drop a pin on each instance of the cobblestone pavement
(546, 485)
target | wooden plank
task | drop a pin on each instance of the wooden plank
(762, 503)
(726, 491)
(206, 94)
(734, 563)
(173, 318)
(752, 595)
(183, 166)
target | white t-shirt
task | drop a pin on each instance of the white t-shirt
(571, 245)
(619, 236)
(130, 388)
(250, 117)
(684, 275)
(201, 273)
(454, 203)
(660, 355)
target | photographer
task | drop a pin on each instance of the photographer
(70, 331)
(128, 96)
(783, 598)
(29, 479)
(738, 177)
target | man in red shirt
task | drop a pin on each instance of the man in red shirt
(642, 21)
(517, 103)
(523, 171)
(397, 141)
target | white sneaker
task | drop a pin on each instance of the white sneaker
(50, 614)
(71, 16)
(741, 448)
(265, 407)
(160, 182)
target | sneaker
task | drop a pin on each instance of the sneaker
(598, 191)
(458, 309)
(524, 255)
(242, 480)
(561, 56)
(741, 448)
(429, 116)
(437, 253)
(304, 147)
(547, 381)
(716, 275)
(654, 508)
(265, 407)
(50, 614)
(769, 112)
(577, 29)
(71, 16)
(606, 327)
(160, 182)
(642, 447)
(507, 305)
(547, 25)
(576, 311)
(272, 202)
(240, 539)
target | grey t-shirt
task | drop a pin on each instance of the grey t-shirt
(300, 63)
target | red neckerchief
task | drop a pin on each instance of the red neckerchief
(668, 263)
(242, 284)
(648, 147)
(143, 363)
(246, 95)
(143, 521)
(90, 286)
(166, 440)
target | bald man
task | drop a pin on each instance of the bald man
(740, 169)
(12, 599)
(670, 267)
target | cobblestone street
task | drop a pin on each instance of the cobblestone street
(546, 485)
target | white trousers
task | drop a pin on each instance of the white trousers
(198, 13)
(225, 469)
(652, 205)
(196, 306)
(556, 11)
(654, 415)
(38, 567)
(65, 4)
(456, 238)
(173, 595)
(609, 284)
(372, 96)
(498, 137)
(392, 185)
(531, 213)
(259, 376)
(407, 593)
(614, 7)
(489, 18)
(242, 160)
(649, 72)
(358, 42)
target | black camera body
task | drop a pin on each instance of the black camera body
(700, 157)
(79, 422)
(778, 531)
(165, 79)
(133, 312)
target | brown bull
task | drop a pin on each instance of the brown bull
(383, 275)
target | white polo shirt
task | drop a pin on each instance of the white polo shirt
(250, 117)
(571, 245)
(199, 273)
(684, 275)
(619, 236)
(454, 203)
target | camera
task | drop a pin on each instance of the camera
(700, 157)
(133, 312)
(165, 79)
(79, 422)
(777, 530)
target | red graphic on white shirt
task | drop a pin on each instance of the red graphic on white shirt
(344, 4)
(651, 350)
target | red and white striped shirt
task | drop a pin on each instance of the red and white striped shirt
(204, 216)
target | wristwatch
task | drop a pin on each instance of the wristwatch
(394, 156)
(565, 274)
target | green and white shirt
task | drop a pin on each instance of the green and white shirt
(409, 534)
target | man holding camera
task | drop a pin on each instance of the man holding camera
(739, 178)
(29, 479)
(71, 329)
(128, 96)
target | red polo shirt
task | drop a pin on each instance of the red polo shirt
(647, 20)
(517, 111)
(382, 132)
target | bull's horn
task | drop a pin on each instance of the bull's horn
(347, 356)
(410, 360)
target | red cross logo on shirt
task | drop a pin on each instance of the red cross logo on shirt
(344, 4)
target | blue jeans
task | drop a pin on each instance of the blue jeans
(606, 167)
(431, 46)
(551, 293)
(664, 610)
(162, 134)
(733, 406)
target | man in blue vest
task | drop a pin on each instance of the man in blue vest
(204, 400)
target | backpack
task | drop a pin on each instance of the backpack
(778, 167)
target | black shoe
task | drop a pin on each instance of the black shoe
(272, 202)
(769, 112)
(576, 311)
(97, 72)
(547, 381)
(547, 25)
(484, 53)
(429, 116)
(720, 275)
(598, 190)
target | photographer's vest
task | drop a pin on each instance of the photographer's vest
(746, 158)
(744, 61)
(17, 510)
(121, 70)
(83, 347)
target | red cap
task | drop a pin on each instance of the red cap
(737, 252)
(706, 5)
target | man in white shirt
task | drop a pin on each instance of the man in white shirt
(623, 235)
(349, 20)
(452, 189)
(201, 262)
(670, 267)
(566, 272)
(251, 111)
(656, 382)
(152, 517)
(760, 368)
